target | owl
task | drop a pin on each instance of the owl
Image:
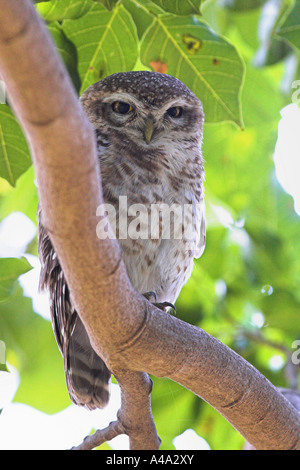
(148, 128)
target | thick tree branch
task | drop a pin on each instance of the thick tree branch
(129, 333)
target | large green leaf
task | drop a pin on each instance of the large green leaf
(106, 43)
(10, 270)
(180, 7)
(58, 10)
(14, 153)
(290, 29)
(206, 63)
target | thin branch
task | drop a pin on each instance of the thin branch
(114, 429)
(128, 332)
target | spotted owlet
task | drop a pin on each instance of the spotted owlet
(148, 128)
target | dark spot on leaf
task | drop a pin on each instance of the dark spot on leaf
(216, 62)
(192, 43)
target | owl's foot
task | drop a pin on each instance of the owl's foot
(164, 306)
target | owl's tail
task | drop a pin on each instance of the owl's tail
(87, 376)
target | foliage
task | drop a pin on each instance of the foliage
(14, 155)
(252, 259)
(10, 270)
(290, 28)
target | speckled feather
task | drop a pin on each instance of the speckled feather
(167, 170)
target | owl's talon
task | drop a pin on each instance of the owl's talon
(152, 297)
(164, 306)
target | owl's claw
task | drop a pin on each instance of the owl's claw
(152, 297)
(164, 306)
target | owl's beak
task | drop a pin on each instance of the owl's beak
(148, 130)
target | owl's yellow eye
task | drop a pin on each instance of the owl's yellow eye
(175, 112)
(121, 108)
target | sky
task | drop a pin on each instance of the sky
(61, 430)
(287, 153)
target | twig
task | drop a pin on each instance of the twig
(114, 429)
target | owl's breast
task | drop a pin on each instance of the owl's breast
(155, 195)
(152, 227)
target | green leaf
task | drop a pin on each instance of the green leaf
(106, 43)
(272, 49)
(172, 409)
(14, 153)
(181, 7)
(67, 51)
(3, 367)
(271, 52)
(206, 63)
(109, 4)
(14, 200)
(58, 10)
(290, 29)
(148, 5)
(142, 14)
(224, 436)
(10, 270)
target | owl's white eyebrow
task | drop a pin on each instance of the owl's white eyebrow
(177, 102)
(121, 97)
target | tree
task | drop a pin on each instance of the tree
(259, 275)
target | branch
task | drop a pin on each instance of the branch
(114, 429)
(129, 332)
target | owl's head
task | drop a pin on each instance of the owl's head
(145, 107)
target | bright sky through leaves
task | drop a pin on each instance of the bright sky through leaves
(287, 153)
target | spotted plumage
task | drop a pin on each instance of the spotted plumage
(148, 128)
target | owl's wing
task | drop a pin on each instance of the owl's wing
(200, 230)
(86, 374)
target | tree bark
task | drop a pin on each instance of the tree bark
(130, 334)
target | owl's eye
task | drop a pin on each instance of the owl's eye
(175, 112)
(121, 108)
